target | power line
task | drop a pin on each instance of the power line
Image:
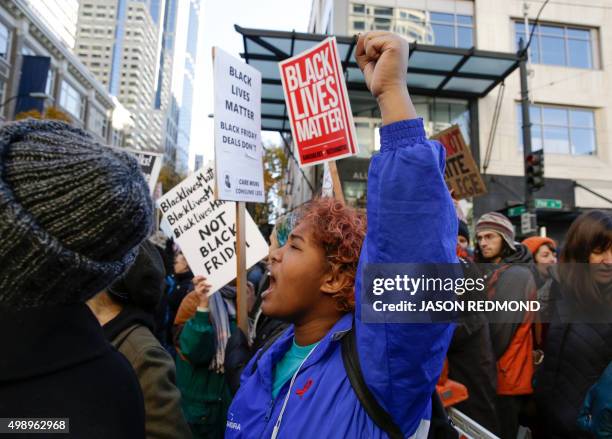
(496, 114)
(533, 26)
(548, 84)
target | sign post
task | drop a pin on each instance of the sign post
(241, 278)
(238, 152)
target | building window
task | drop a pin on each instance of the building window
(560, 45)
(5, 41)
(71, 100)
(50, 83)
(429, 27)
(118, 138)
(560, 130)
(2, 87)
(452, 29)
(98, 123)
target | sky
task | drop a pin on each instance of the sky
(217, 23)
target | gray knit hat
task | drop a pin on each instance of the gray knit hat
(72, 213)
(498, 223)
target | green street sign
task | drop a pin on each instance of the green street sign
(548, 203)
(516, 210)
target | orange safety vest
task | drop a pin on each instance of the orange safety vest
(515, 368)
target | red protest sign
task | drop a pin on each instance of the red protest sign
(318, 105)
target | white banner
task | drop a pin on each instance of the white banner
(205, 229)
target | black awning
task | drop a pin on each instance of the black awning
(433, 70)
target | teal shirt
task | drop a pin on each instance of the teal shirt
(289, 364)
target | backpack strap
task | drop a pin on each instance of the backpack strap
(269, 342)
(366, 398)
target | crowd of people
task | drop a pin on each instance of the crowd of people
(103, 327)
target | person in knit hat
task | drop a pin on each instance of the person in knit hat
(495, 236)
(72, 214)
(463, 235)
(126, 310)
(509, 273)
(464, 251)
(544, 252)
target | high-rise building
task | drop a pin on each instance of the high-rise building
(59, 16)
(199, 161)
(165, 96)
(119, 41)
(186, 102)
(177, 66)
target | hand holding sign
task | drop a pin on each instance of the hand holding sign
(202, 290)
(383, 59)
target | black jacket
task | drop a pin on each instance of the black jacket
(56, 363)
(471, 361)
(575, 356)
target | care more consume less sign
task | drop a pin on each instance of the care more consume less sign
(462, 175)
(318, 105)
(238, 148)
(205, 229)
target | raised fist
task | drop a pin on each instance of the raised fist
(383, 59)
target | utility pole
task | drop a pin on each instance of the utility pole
(528, 219)
(526, 122)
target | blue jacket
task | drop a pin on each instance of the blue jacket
(411, 218)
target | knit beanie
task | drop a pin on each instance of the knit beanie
(143, 284)
(498, 223)
(535, 242)
(72, 213)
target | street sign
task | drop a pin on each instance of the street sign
(516, 210)
(548, 203)
(529, 223)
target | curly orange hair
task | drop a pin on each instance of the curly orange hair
(340, 230)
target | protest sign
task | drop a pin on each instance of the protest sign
(238, 148)
(150, 165)
(318, 105)
(462, 175)
(205, 229)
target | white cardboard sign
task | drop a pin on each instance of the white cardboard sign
(205, 229)
(238, 148)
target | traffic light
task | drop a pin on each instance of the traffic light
(534, 170)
